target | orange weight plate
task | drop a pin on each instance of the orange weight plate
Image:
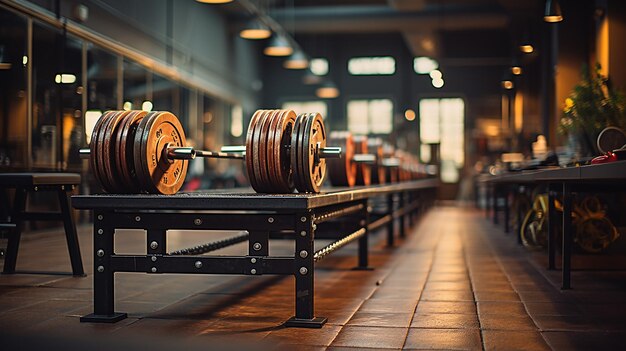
(363, 170)
(342, 171)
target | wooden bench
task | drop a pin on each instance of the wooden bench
(24, 183)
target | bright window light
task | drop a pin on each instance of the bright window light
(319, 66)
(236, 121)
(306, 107)
(65, 78)
(91, 117)
(435, 74)
(443, 121)
(147, 106)
(437, 83)
(424, 65)
(385, 65)
(370, 116)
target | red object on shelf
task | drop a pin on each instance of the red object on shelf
(609, 157)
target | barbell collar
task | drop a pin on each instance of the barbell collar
(84, 153)
(369, 159)
(234, 149)
(330, 152)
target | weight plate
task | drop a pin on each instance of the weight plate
(258, 149)
(112, 172)
(296, 136)
(314, 166)
(164, 176)
(101, 153)
(282, 159)
(94, 147)
(272, 172)
(375, 147)
(342, 171)
(125, 158)
(250, 149)
(138, 141)
(264, 153)
(363, 170)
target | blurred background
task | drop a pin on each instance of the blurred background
(455, 82)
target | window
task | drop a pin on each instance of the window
(319, 66)
(370, 116)
(385, 65)
(442, 121)
(424, 65)
(306, 107)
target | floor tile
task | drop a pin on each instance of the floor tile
(380, 319)
(445, 321)
(514, 340)
(443, 339)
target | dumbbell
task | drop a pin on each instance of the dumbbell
(138, 151)
(364, 161)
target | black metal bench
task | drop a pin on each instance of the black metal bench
(263, 216)
(24, 183)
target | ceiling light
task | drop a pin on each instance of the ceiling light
(552, 13)
(255, 29)
(437, 83)
(279, 46)
(526, 48)
(516, 70)
(311, 78)
(507, 84)
(297, 60)
(409, 115)
(328, 90)
(65, 78)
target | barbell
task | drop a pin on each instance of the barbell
(139, 151)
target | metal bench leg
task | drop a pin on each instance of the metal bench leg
(403, 204)
(13, 242)
(390, 225)
(363, 241)
(71, 234)
(103, 274)
(551, 229)
(304, 274)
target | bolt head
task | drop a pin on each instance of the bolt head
(137, 218)
(153, 258)
(197, 221)
(253, 260)
(253, 271)
(154, 245)
(100, 253)
(198, 264)
(304, 254)
(303, 233)
(100, 269)
(153, 270)
(303, 270)
(100, 231)
(302, 219)
(256, 246)
(100, 217)
(271, 219)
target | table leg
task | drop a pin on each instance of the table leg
(567, 237)
(71, 235)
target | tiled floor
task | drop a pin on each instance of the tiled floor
(457, 282)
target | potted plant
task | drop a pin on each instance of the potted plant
(592, 106)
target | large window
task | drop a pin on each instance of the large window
(370, 116)
(442, 121)
(385, 65)
(13, 91)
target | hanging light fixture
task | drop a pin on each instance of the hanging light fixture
(328, 90)
(311, 78)
(255, 29)
(552, 13)
(297, 60)
(516, 67)
(279, 46)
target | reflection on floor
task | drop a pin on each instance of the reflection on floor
(456, 282)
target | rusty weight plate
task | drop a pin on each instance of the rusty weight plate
(163, 176)
(342, 171)
(282, 159)
(375, 147)
(138, 140)
(125, 152)
(93, 147)
(111, 170)
(272, 171)
(314, 167)
(250, 149)
(259, 153)
(295, 151)
(101, 155)
(364, 171)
